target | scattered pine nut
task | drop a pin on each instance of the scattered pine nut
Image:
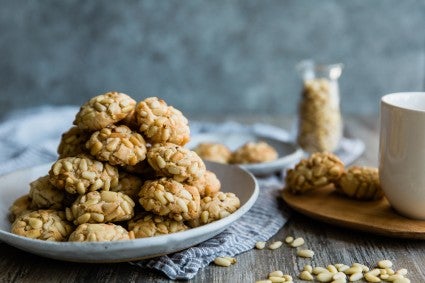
(402, 280)
(289, 239)
(305, 253)
(287, 277)
(371, 278)
(275, 245)
(331, 268)
(402, 271)
(308, 268)
(353, 269)
(324, 277)
(263, 281)
(260, 245)
(276, 279)
(319, 269)
(305, 275)
(356, 276)
(222, 261)
(339, 275)
(276, 273)
(339, 280)
(297, 242)
(385, 263)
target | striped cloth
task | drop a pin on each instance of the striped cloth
(31, 137)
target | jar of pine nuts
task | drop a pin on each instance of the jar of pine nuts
(320, 123)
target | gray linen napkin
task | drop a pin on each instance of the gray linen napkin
(31, 137)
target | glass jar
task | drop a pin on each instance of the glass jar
(320, 123)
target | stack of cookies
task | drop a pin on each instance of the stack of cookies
(122, 173)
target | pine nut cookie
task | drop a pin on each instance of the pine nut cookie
(101, 207)
(73, 142)
(160, 123)
(167, 197)
(21, 205)
(254, 152)
(118, 145)
(361, 183)
(44, 195)
(319, 170)
(129, 184)
(176, 162)
(81, 174)
(149, 225)
(216, 152)
(104, 110)
(208, 184)
(48, 225)
(216, 207)
(100, 232)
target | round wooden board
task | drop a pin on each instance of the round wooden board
(371, 216)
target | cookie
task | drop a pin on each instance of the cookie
(160, 123)
(73, 142)
(360, 182)
(48, 225)
(149, 225)
(81, 174)
(44, 195)
(167, 197)
(208, 184)
(129, 184)
(319, 170)
(104, 110)
(175, 161)
(216, 207)
(215, 152)
(100, 232)
(101, 207)
(254, 152)
(118, 145)
(19, 206)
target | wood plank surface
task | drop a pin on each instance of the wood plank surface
(331, 244)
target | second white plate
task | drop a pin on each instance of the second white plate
(288, 152)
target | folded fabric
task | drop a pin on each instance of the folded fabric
(31, 137)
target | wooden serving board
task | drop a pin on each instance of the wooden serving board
(371, 216)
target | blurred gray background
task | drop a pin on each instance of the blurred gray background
(207, 57)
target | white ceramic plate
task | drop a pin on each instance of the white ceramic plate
(233, 179)
(289, 153)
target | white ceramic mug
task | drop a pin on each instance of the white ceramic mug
(402, 152)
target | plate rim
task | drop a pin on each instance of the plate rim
(203, 233)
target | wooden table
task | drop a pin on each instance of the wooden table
(330, 243)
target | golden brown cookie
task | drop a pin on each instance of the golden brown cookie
(118, 145)
(81, 174)
(129, 184)
(44, 195)
(104, 110)
(73, 142)
(216, 207)
(149, 225)
(167, 197)
(361, 183)
(101, 207)
(19, 206)
(161, 123)
(319, 170)
(254, 152)
(100, 232)
(208, 184)
(216, 152)
(49, 225)
(175, 161)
